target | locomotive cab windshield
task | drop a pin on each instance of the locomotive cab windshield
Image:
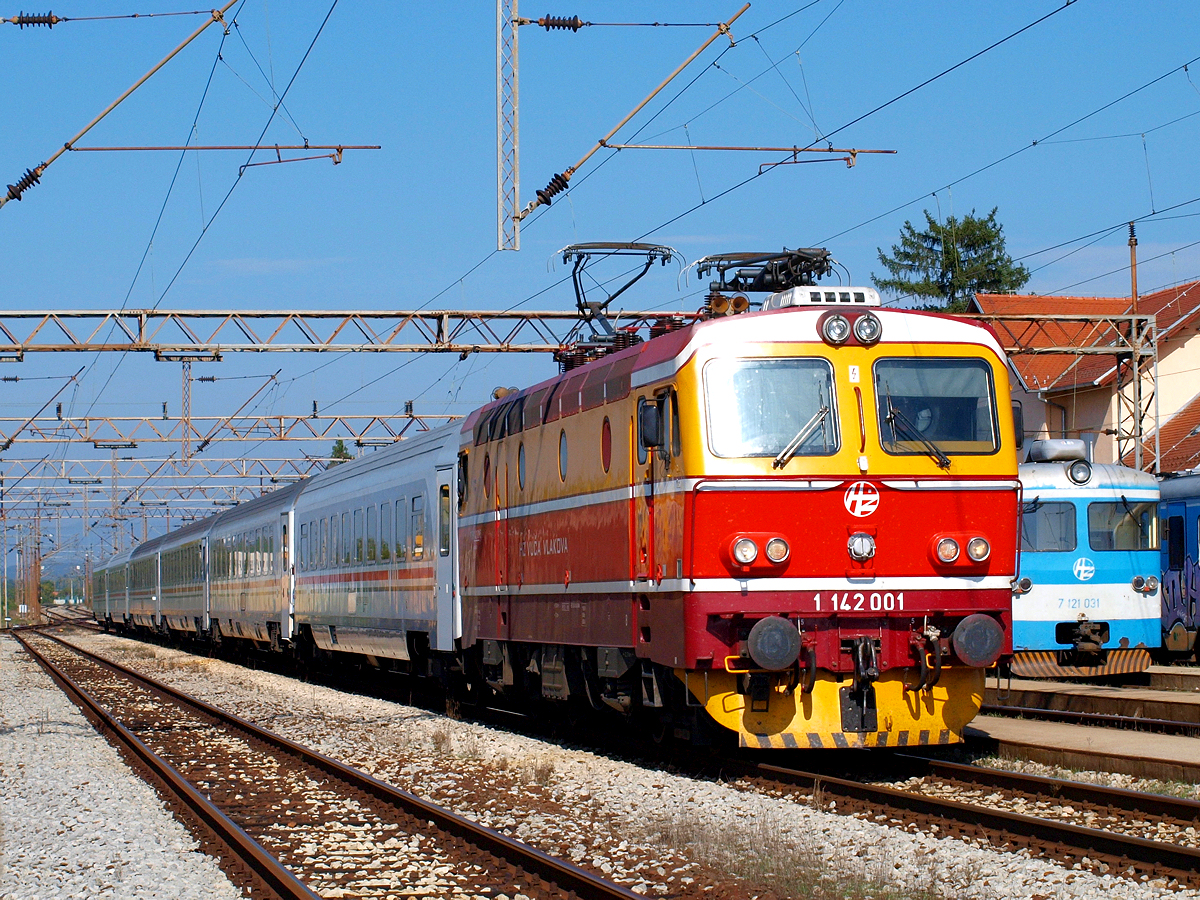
(762, 407)
(936, 406)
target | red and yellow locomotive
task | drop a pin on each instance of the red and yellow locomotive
(798, 523)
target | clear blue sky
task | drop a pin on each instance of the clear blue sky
(397, 227)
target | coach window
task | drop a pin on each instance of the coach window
(385, 531)
(304, 546)
(444, 520)
(1047, 527)
(358, 535)
(347, 542)
(401, 529)
(418, 526)
(372, 536)
(323, 546)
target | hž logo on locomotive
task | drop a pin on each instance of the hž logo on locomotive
(861, 499)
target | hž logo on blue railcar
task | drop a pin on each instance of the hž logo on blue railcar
(1084, 569)
(861, 499)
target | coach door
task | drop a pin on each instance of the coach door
(286, 578)
(205, 580)
(445, 550)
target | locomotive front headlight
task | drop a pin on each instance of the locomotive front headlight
(867, 329)
(1139, 583)
(978, 549)
(947, 550)
(745, 551)
(1151, 585)
(1079, 471)
(836, 329)
(777, 550)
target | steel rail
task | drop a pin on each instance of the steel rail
(1155, 856)
(570, 878)
(1179, 808)
(1109, 720)
(241, 845)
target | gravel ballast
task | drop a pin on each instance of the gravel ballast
(75, 821)
(660, 833)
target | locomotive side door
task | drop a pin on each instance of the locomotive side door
(647, 470)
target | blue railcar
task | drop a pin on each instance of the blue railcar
(1179, 510)
(1087, 600)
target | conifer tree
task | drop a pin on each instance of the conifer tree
(948, 262)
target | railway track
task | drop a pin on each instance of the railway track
(1098, 828)
(290, 822)
(1105, 720)
(1012, 810)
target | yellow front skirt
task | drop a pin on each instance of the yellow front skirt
(814, 720)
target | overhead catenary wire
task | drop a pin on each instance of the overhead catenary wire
(233, 186)
(162, 210)
(1017, 152)
(33, 176)
(867, 114)
(559, 181)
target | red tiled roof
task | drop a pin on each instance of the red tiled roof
(1178, 441)
(1173, 309)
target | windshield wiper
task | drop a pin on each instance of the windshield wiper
(786, 454)
(894, 416)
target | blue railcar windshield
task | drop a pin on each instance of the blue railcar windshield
(1047, 527)
(757, 407)
(1123, 525)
